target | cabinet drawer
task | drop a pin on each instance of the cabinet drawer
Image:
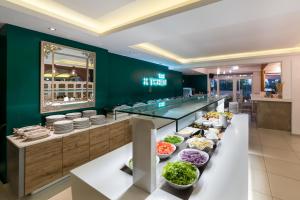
(43, 164)
(99, 135)
(116, 141)
(75, 151)
(99, 142)
(99, 149)
(128, 134)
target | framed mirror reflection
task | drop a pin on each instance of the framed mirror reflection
(67, 78)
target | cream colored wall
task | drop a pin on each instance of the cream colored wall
(295, 76)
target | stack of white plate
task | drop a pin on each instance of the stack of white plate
(80, 123)
(97, 119)
(89, 113)
(54, 118)
(74, 115)
(64, 126)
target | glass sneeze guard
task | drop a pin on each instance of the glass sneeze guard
(174, 109)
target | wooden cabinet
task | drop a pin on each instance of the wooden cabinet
(128, 131)
(43, 164)
(99, 142)
(76, 151)
(48, 161)
(116, 135)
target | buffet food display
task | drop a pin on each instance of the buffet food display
(192, 149)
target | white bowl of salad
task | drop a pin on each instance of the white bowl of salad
(194, 156)
(129, 162)
(174, 139)
(200, 143)
(189, 174)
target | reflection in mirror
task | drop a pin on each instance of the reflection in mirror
(67, 78)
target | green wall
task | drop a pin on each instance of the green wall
(126, 81)
(118, 79)
(198, 82)
(2, 100)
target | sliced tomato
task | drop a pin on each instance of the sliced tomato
(164, 148)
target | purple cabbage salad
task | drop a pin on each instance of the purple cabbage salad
(194, 156)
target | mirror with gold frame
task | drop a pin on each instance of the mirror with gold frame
(67, 78)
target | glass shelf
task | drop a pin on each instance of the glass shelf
(174, 109)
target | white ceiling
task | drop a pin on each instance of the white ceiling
(228, 26)
(94, 8)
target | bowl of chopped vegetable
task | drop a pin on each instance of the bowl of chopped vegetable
(174, 139)
(189, 174)
(129, 162)
(200, 143)
(164, 149)
(194, 156)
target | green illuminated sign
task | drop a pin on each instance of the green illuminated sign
(161, 104)
(151, 81)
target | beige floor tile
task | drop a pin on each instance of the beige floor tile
(255, 149)
(271, 140)
(295, 146)
(254, 139)
(274, 132)
(294, 142)
(64, 195)
(257, 162)
(298, 154)
(284, 188)
(253, 195)
(258, 181)
(280, 154)
(283, 168)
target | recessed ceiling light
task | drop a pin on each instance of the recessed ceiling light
(235, 67)
(52, 29)
(230, 71)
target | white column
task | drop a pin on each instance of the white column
(208, 86)
(144, 154)
(234, 88)
(218, 86)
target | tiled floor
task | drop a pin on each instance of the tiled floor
(274, 170)
(274, 165)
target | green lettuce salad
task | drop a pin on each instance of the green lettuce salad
(180, 173)
(173, 139)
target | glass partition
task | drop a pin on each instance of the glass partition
(174, 109)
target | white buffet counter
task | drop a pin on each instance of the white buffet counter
(226, 176)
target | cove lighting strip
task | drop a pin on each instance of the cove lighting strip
(132, 14)
(155, 50)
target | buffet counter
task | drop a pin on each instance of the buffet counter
(225, 177)
(272, 113)
(33, 165)
(261, 98)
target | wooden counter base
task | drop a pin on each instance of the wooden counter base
(273, 115)
(34, 166)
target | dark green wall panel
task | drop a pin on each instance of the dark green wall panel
(126, 76)
(2, 102)
(118, 79)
